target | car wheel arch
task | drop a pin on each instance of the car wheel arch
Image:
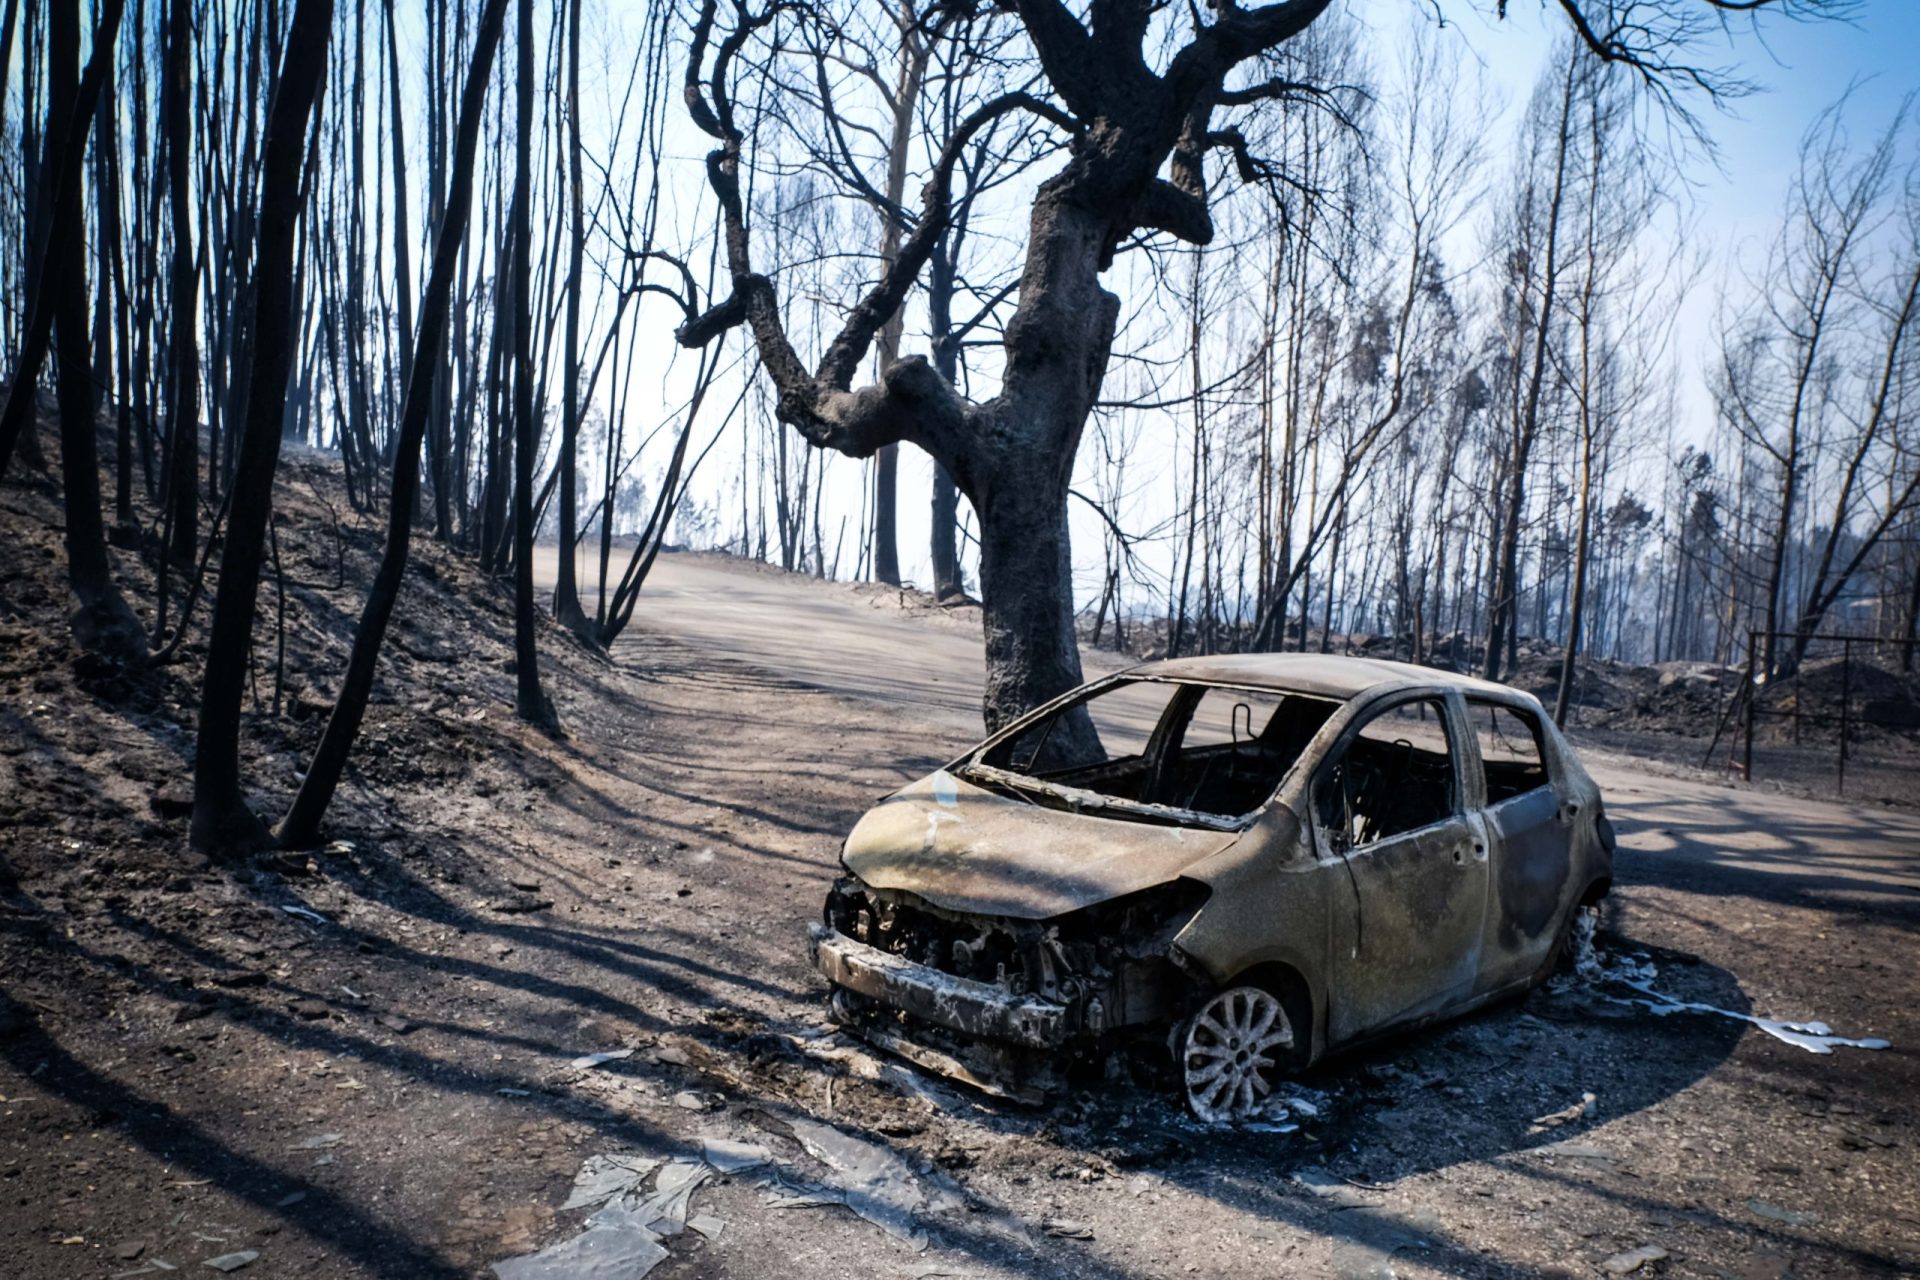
(1301, 1000)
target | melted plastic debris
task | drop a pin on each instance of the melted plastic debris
(785, 1192)
(665, 1211)
(1637, 972)
(602, 1178)
(621, 1239)
(615, 1246)
(728, 1156)
(876, 1183)
(597, 1059)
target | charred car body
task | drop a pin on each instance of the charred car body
(1254, 860)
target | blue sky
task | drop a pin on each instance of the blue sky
(1798, 67)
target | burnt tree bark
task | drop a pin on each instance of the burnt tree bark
(530, 702)
(102, 622)
(222, 823)
(566, 592)
(302, 823)
(71, 107)
(1013, 455)
(183, 357)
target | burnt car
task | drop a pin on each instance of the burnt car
(1252, 860)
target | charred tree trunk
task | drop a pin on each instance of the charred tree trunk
(302, 822)
(102, 622)
(947, 583)
(566, 592)
(530, 702)
(183, 353)
(222, 822)
(58, 284)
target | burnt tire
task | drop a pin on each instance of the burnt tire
(1231, 1051)
(1563, 957)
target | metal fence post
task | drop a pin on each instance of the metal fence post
(1846, 696)
(1746, 766)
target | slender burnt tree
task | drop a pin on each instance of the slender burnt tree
(302, 822)
(529, 700)
(183, 355)
(222, 822)
(70, 111)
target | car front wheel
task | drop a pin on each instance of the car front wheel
(1229, 1053)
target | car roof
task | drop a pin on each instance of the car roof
(1327, 675)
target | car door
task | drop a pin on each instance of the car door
(1528, 825)
(1390, 814)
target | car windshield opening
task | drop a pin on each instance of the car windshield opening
(1161, 749)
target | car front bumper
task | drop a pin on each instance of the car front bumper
(963, 1005)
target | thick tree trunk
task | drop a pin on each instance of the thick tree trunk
(222, 822)
(1057, 343)
(1026, 588)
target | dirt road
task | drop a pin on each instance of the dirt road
(855, 642)
(384, 1059)
(1785, 905)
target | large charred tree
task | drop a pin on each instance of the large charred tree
(1130, 121)
(222, 822)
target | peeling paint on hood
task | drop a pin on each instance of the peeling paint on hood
(964, 848)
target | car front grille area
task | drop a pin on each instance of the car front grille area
(1019, 956)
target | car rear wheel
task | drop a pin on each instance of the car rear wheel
(1230, 1051)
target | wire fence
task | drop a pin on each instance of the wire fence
(1838, 701)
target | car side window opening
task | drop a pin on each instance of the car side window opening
(1396, 775)
(1510, 750)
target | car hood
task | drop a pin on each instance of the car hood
(964, 848)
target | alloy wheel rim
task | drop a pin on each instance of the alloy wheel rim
(1231, 1046)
